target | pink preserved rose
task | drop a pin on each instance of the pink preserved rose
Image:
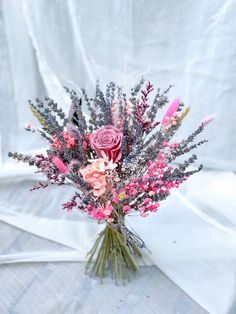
(108, 140)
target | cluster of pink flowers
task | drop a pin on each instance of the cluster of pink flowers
(152, 183)
(101, 212)
(148, 206)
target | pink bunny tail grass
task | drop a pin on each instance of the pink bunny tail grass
(207, 120)
(174, 105)
(59, 164)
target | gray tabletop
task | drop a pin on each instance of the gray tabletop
(49, 288)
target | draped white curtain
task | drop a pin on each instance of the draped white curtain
(47, 44)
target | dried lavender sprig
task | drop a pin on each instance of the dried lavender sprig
(154, 143)
(105, 115)
(151, 138)
(53, 106)
(120, 102)
(22, 157)
(110, 95)
(136, 146)
(190, 173)
(76, 115)
(47, 114)
(125, 145)
(159, 101)
(127, 137)
(181, 151)
(48, 121)
(110, 92)
(184, 143)
(152, 149)
(77, 180)
(90, 106)
(135, 90)
(42, 133)
(45, 136)
(39, 185)
(183, 166)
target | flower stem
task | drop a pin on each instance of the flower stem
(113, 252)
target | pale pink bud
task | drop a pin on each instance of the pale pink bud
(59, 164)
(207, 120)
(174, 105)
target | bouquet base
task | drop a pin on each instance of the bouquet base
(114, 252)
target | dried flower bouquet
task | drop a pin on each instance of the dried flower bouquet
(118, 157)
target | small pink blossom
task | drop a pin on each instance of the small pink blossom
(147, 200)
(126, 209)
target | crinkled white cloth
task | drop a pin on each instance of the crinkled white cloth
(48, 44)
(192, 238)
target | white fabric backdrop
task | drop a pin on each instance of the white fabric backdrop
(47, 44)
(188, 43)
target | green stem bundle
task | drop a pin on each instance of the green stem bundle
(112, 251)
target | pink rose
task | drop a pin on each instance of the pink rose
(108, 140)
